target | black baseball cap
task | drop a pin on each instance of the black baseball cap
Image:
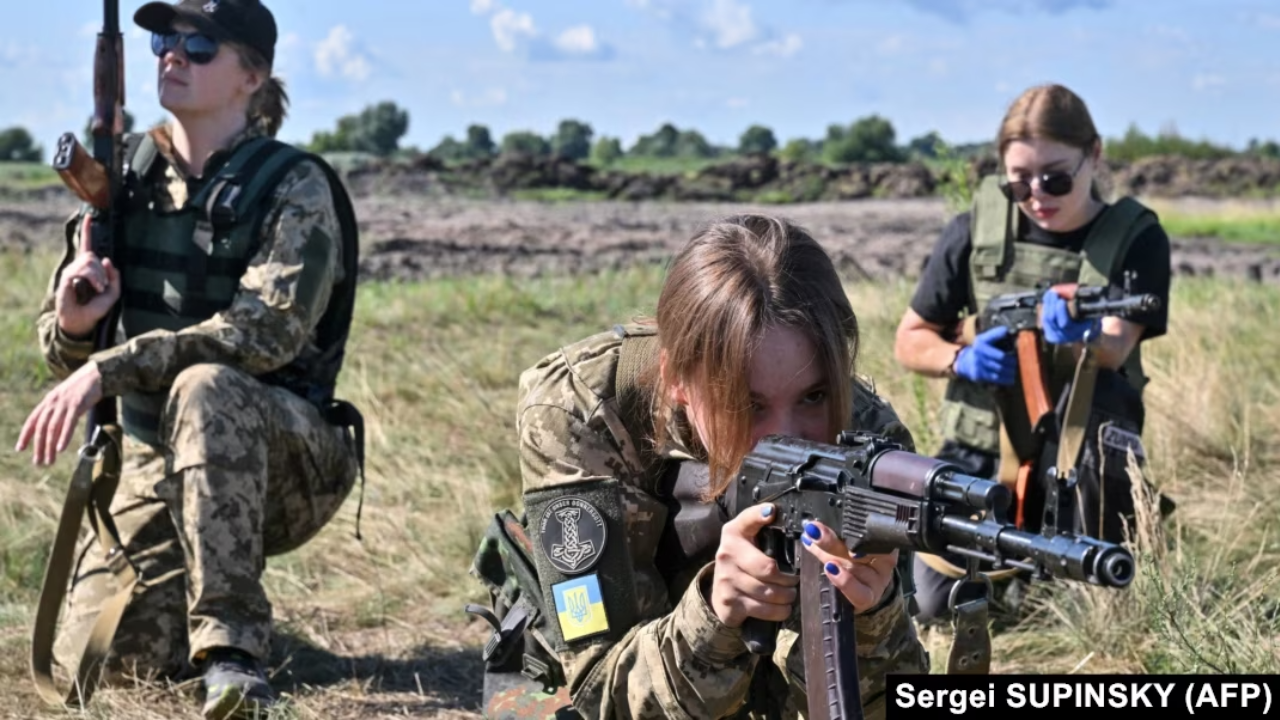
(247, 22)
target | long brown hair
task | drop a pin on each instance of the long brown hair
(1049, 112)
(268, 106)
(736, 279)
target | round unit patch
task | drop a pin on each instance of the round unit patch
(573, 535)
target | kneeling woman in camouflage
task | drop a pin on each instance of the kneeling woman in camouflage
(754, 335)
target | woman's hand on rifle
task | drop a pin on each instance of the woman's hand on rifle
(75, 319)
(862, 579)
(1059, 327)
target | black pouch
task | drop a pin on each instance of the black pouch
(1104, 499)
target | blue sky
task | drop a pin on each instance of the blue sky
(1206, 67)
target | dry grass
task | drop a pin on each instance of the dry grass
(375, 629)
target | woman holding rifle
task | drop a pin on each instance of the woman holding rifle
(1062, 231)
(236, 289)
(753, 335)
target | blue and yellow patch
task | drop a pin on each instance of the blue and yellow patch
(580, 607)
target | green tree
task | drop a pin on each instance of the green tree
(800, 150)
(87, 138)
(868, 139)
(606, 150)
(572, 140)
(525, 142)
(377, 129)
(926, 146)
(480, 142)
(757, 140)
(17, 145)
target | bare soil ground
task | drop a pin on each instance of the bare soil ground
(407, 238)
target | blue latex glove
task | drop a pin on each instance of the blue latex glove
(1059, 327)
(984, 362)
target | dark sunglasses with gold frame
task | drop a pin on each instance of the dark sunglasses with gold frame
(1056, 183)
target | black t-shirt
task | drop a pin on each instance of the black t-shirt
(943, 293)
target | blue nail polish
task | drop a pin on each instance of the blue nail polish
(812, 531)
(766, 511)
(805, 539)
(858, 555)
(833, 569)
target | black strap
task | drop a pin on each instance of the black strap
(344, 414)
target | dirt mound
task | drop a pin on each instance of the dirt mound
(409, 238)
(764, 178)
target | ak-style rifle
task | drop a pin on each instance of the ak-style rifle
(1027, 410)
(98, 181)
(878, 497)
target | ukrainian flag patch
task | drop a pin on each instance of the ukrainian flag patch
(580, 607)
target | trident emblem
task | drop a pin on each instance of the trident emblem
(579, 606)
(572, 551)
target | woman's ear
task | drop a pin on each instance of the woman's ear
(676, 393)
(253, 81)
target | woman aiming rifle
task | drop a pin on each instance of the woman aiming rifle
(1063, 231)
(754, 335)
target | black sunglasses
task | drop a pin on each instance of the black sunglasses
(200, 48)
(1057, 184)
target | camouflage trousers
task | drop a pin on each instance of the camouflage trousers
(247, 471)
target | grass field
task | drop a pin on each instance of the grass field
(1251, 222)
(375, 629)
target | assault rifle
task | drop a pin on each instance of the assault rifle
(98, 181)
(1026, 410)
(879, 497)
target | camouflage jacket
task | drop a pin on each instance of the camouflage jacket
(273, 317)
(681, 661)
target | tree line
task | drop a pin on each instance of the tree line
(379, 129)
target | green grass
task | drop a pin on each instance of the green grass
(27, 175)
(434, 365)
(1259, 229)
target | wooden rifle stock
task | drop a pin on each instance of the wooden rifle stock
(82, 175)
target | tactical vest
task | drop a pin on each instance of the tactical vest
(183, 267)
(1000, 263)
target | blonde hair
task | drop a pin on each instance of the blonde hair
(734, 281)
(1049, 112)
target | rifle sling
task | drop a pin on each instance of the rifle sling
(92, 488)
(1076, 417)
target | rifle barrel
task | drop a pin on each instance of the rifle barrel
(1079, 558)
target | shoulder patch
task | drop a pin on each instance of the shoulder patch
(580, 607)
(573, 535)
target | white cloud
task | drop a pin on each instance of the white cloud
(335, 55)
(1203, 81)
(730, 23)
(508, 25)
(785, 47)
(578, 40)
(482, 7)
(736, 102)
(1271, 22)
(489, 98)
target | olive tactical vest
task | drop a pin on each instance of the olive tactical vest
(998, 264)
(183, 267)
